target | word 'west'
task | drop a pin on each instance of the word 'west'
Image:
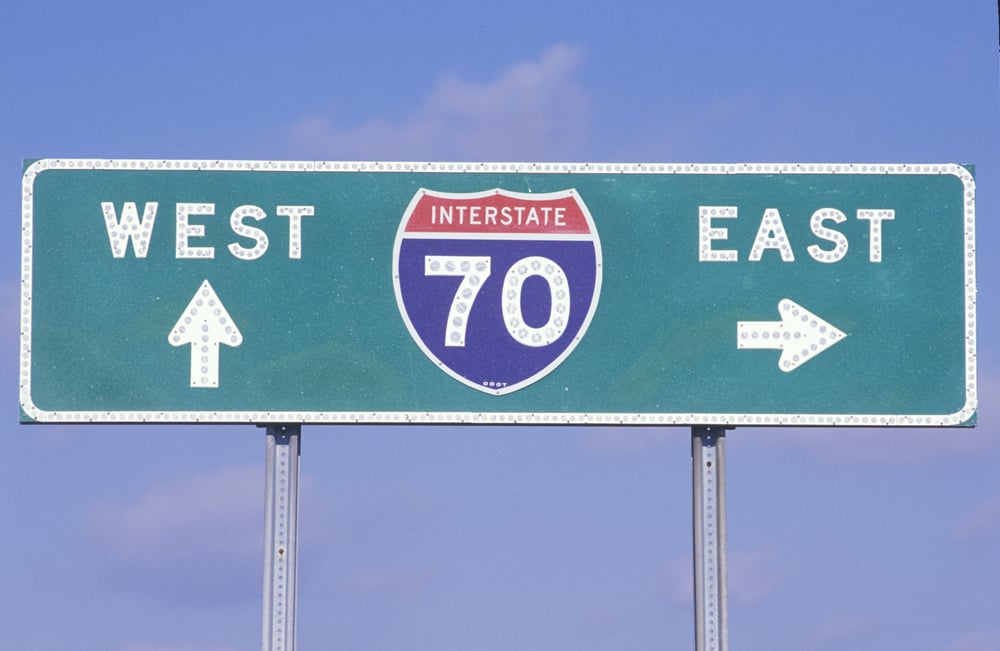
(771, 234)
(130, 227)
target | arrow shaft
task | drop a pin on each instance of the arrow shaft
(762, 335)
(205, 364)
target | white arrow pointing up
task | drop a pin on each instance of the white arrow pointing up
(204, 325)
(800, 335)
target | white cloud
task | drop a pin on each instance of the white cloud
(677, 581)
(193, 541)
(532, 110)
(219, 513)
(754, 575)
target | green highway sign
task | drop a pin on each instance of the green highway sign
(608, 294)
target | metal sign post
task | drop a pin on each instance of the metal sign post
(281, 504)
(708, 453)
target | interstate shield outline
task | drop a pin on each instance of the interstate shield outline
(496, 287)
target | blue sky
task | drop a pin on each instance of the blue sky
(129, 538)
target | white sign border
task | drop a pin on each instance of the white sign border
(957, 418)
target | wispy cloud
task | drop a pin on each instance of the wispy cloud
(172, 647)
(753, 575)
(364, 533)
(977, 641)
(384, 583)
(10, 313)
(676, 581)
(983, 523)
(169, 519)
(532, 110)
(193, 541)
(894, 446)
(877, 447)
(617, 440)
(842, 631)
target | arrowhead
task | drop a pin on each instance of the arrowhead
(804, 335)
(800, 335)
(204, 325)
(205, 321)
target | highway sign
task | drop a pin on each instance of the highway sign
(521, 237)
(666, 294)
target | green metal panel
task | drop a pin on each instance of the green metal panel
(322, 338)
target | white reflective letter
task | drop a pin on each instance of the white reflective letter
(706, 233)
(876, 217)
(129, 228)
(295, 214)
(828, 234)
(186, 230)
(771, 235)
(254, 233)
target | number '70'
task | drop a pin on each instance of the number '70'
(475, 269)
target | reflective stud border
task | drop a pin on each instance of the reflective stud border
(609, 419)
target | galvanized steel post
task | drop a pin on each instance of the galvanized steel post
(281, 504)
(708, 452)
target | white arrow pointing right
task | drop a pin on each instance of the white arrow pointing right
(800, 335)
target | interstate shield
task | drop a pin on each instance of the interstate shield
(497, 287)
